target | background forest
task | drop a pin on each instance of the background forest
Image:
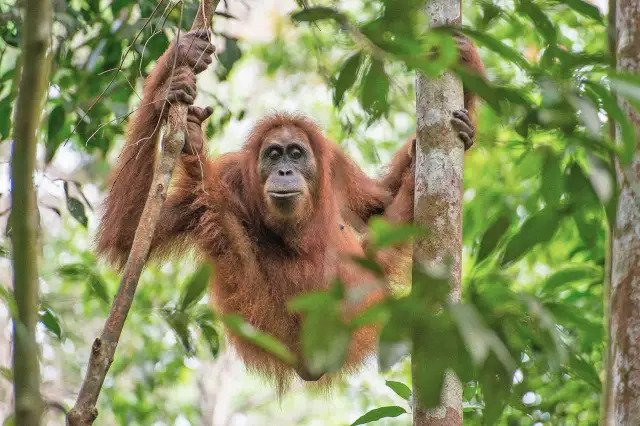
(539, 193)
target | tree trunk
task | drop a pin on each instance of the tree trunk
(438, 196)
(84, 412)
(36, 32)
(622, 406)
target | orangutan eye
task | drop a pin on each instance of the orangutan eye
(295, 153)
(274, 153)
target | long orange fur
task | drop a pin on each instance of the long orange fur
(217, 206)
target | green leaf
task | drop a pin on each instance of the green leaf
(610, 104)
(240, 327)
(5, 117)
(54, 134)
(589, 114)
(492, 236)
(584, 8)
(75, 207)
(588, 228)
(369, 264)
(573, 319)
(179, 321)
(559, 279)
(99, 287)
(543, 328)
(469, 390)
(379, 413)
(479, 339)
(430, 364)
(495, 382)
(309, 301)
(627, 85)
(316, 14)
(392, 352)
(489, 12)
(430, 284)
(585, 370)
(230, 55)
(325, 339)
(195, 288)
(580, 189)
(377, 313)
(375, 89)
(437, 52)
(205, 319)
(402, 390)
(551, 185)
(538, 228)
(211, 336)
(494, 95)
(74, 271)
(347, 77)
(82, 272)
(383, 234)
(498, 47)
(539, 19)
(325, 335)
(394, 342)
(51, 322)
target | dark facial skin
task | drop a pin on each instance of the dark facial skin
(287, 170)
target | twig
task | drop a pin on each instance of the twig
(103, 349)
(122, 59)
(165, 15)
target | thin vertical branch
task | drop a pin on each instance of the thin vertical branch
(605, 398)
(623, 370)
(24, 217)
(103, 349)
(438, 197)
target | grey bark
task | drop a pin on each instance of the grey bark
(33, 85)
(438, 195)
(622, 401)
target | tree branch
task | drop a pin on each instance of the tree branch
(103, 349)
(438, 197)
(36, 33)
(621, 401)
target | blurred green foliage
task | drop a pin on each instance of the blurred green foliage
(544, 149)
(527, 338)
